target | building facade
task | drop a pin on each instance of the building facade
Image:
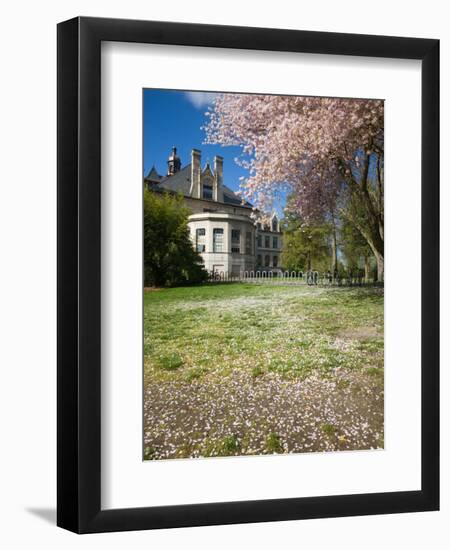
(223, 229)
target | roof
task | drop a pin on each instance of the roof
(230, 197)
(180, 182)
(153, 175)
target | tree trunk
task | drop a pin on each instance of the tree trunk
(334, 250)
(366, 216)
(372, 234)
(380, 267)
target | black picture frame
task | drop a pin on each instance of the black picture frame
(79, 280)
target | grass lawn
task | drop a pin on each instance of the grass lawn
(235, 369)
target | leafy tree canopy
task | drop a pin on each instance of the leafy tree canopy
(305, 247)
(169, 257)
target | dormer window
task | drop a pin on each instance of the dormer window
(275, 224)
(207, 192)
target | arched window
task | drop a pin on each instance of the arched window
(274, 224)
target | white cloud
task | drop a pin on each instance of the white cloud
(200, 100)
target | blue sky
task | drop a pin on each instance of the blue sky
(174, 118)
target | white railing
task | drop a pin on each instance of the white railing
(310, 278)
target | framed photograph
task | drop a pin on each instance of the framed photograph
(248, 317)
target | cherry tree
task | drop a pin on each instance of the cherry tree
(326, 153)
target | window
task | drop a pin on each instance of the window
(258, 259)
(267, 242)
(275, 224)
(275, 261)
(200, 239)
(207, 191)
(248, 242)
(267, 260)
(259, 241)
(217, 239)
(235, 241)
(275, 242)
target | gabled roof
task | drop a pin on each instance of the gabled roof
(153, 175)
(207, 169)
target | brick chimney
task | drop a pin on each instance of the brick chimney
(195, 190)
(218, 179)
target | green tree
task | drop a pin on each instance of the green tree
(356, 252)
(169, 257)
(306, 247)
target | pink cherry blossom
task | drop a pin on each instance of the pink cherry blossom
(315, 149)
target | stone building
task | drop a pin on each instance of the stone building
(222, 227)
